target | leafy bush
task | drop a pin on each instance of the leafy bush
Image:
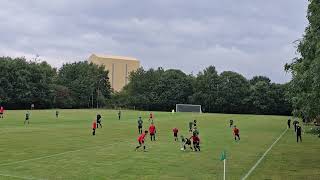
(314, 130)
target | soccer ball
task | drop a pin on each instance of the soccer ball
(182, 149)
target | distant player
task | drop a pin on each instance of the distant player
(289, 123)
(236, 133)
(185, 142)
(140, 124)
(196, 142)
(175, 133)
(57, 114)
(231, 123)
(299, 131)
(295, 124)
(99, 120)
(119, 114)
(152, 130)
(94, 127)
(1, 112)
(190, 126)
(32, 106)
(141, 141)
(27, 118)
(151, 117)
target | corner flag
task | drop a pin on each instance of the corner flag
(224, 158)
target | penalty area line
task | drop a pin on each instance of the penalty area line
(263, 156)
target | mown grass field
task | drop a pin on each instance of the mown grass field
(64, 148)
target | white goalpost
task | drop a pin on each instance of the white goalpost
(188, 108)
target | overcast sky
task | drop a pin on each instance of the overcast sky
(252, 37)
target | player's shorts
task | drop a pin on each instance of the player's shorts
(1, 113)
(152, 134)
(27, 119)
(140, 127)
(175, 134)
(141, 142)
(188, 143)
(196, 143)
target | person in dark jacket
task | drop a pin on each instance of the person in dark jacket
(299, 132)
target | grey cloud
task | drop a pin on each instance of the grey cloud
(250, 37)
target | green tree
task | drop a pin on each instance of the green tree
(173, 87)
(87, 84)
(268, 98)
(205, 87)
(62, 97)
(140, 89)
(25, 82)
(156, 89)
(257, 79)
(234, 91)
(304, 88)
(281, 104)
(260, 98)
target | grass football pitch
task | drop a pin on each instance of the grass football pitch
(64, 148)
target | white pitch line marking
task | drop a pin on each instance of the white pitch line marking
(58, 154)
(19, 177)
(43, 157)
(262, 157)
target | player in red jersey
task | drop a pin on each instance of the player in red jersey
(141, 141)
(152, 130)
(195, 142)
(94, 127)
(1, 112)
(236, 133)
(175, 133)
(151, 117)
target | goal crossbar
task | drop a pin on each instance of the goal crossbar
(188, 108)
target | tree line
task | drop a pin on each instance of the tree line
(86, 85)
(74, 85)
(228, 92)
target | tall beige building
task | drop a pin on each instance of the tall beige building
(119, 68)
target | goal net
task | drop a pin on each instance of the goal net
(188, 108)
